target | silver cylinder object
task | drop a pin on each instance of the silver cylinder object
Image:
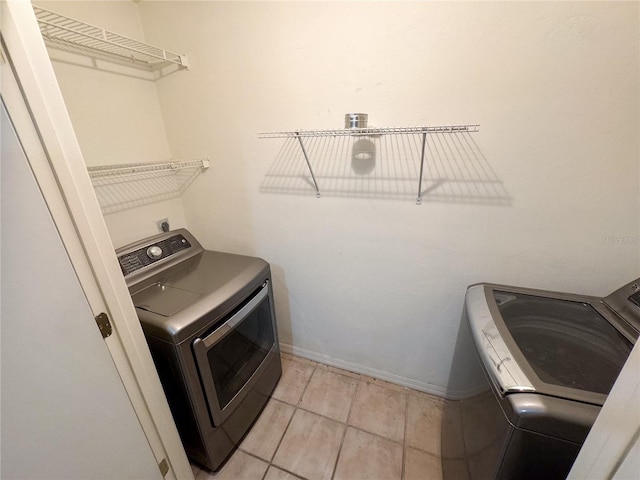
(355, 120)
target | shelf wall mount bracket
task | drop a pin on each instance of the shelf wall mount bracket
(306, 157)
(424, 144)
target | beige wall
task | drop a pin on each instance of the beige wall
(115, 112)
(368, 280)
(377, 284)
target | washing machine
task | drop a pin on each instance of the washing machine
(549, 360)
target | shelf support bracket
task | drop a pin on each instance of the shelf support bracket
(424, 143)
(306, 157)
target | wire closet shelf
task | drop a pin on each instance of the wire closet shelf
(140, 169)
(372, 132)
(120, 187)
(64, 31)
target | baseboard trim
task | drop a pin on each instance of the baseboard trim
(379, 374)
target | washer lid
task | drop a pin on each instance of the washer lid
(556, 344)
(504, 372)
(566, 343)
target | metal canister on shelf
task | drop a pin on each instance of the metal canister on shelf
(355, 120)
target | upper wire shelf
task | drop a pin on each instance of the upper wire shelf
(372, 131)
(65, 31)
(121, 187)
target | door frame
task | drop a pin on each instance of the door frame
(31, 93)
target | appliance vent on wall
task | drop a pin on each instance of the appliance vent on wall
(65, 32)
(121, 187)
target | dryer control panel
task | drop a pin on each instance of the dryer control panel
(145, 256)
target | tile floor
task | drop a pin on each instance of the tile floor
(324, 423)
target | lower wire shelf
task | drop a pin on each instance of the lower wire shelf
(125, 186)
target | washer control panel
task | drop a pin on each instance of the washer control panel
(635, 298)
(143, 257)
(626, 303)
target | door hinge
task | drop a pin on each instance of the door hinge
(104, 325)
(164, 467)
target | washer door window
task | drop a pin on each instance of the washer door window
(231, 357)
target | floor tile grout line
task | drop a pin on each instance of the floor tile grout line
(347, 422)
(355, 427)
(304, 409)
(394, 393)
(256, 457)
(296, 475)
(404, 439)
(360, 379)
(375, 380)
(284, 433)
(344, 434)
(347, 426)
(302, 406)
(269, 464)
(353, 401)
(306, 386)
(351, 383)
(377, 435)
(335, 465)
(271, 400)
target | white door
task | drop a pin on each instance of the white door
(65, 412)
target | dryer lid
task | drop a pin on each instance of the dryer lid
(163, 299)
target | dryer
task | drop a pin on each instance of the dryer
(210, 322)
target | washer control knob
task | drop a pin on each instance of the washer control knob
(154, 252)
